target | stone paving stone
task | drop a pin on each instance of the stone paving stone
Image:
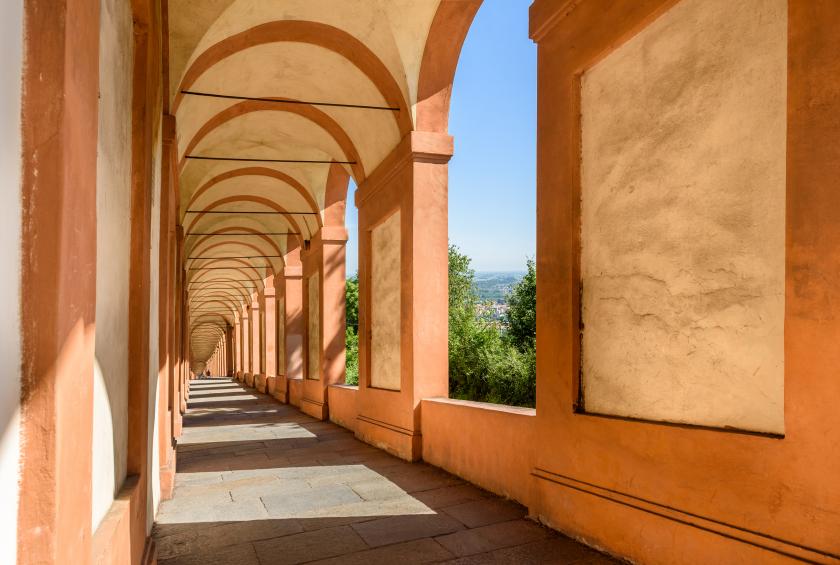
(395, 529)
(495, 536)
(450, 496)
(242, 554)
(377, 488)
(193, 510)
(309, 546)
(289, 505)
(558, 549)
(418, 551)
(486, 511)
(219, 535)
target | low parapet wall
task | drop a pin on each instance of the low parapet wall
(342, 403)
(490, 445)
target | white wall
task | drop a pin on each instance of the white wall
(113, 240)
(154, 332)
(11, 43)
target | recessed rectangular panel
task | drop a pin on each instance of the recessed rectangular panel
(281, 336)
(385, 304)
(314, 327)
(683, 148)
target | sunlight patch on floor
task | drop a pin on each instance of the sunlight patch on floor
(336, 491)
(243, 433)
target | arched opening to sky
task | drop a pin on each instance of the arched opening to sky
(492, 176)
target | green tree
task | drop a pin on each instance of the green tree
(484, 365)
(351, 304)
(521, 316)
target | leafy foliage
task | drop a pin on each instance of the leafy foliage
(351, 302)
(485, 364)
(521, 316)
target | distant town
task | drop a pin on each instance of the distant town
(492, 288)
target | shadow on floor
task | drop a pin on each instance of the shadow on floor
(260, 483)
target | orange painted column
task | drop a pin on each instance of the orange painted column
(325, 258)
(177, 337)
(228, 351)
(237, 346)
(295, 324)
(58, 280)
(246, 342)
(269, 308)
(413, 181)
(256, 358)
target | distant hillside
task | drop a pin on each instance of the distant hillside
(495, 285)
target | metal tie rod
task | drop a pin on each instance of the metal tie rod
(289, 101)
(211, 268)
(239, 234)
(305, 161)
(239, 257)
(247, 212)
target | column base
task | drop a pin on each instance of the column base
(314, 408)
(259, 382)
(295, 390)
(281, 389)
(403, 443)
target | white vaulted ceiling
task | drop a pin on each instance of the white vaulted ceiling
(346, 52)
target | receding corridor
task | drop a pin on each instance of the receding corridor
(258, 482)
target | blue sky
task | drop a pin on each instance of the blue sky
(492, 176)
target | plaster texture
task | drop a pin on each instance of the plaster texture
(385, 304)
(313, 335)
(683, 132)
(113, 203)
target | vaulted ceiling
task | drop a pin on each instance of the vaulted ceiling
(328, 86)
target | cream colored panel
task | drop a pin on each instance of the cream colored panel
(385, 304)
(683, 219)
(314, 336)
(281, 336)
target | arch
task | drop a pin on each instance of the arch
(259, 200)
(440, 58)
(258, 171)
(313, 33)
(311, 113)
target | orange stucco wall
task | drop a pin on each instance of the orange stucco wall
(487, 444)
(660, 493)
(342, 401)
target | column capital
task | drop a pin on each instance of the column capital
(293, 271)
(415, 147)
(331, 235)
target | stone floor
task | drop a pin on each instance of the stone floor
(260, 483)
